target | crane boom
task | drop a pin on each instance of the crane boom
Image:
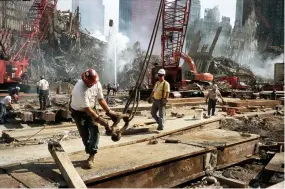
(175, 15)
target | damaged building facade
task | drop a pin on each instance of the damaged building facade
(13, 14)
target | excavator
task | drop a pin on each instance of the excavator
(175, 78)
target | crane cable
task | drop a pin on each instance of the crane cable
(135, 97)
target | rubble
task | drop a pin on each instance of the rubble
(269, 128)
(225, 66)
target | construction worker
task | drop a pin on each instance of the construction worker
(273, 95)
(14, 93)
(114, 89)
(43, 91)
(160, 95)
(83, 100)
(108, 88)
(5, 106)
(212, 98)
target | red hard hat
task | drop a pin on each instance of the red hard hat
(90, 77)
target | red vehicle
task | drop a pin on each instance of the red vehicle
(234, 82)
(13, 67)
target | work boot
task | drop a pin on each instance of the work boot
(90, 162)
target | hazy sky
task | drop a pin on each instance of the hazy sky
(227, 8)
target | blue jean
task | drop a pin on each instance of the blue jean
(211, 106)
(3, 113)
(88, 131)
(157, 106)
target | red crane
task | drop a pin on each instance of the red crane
(33, 31)
(175, 17)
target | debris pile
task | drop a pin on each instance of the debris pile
(269, 128)
(134, 59)
(226, 66)
(224, 86)
(66, 50)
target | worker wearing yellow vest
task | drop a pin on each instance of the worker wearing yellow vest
(160, 95)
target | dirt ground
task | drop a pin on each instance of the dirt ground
(269, 128)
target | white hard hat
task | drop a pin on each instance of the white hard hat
(18, 88)
(215, 86)
(161, 72)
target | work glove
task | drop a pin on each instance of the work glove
(149, 100)
(113, 115)
(102, 122)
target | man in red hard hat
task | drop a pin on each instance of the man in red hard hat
(84, 95)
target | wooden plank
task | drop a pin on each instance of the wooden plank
(276, 164)
(66, 167)
(239, 103)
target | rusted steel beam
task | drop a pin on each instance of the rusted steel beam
(236, 153)
(166, 175)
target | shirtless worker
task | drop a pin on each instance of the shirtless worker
(84, 95)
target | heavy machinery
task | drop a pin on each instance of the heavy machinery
(14, 61)
(175, 15)
(234, 82)
(175, 78)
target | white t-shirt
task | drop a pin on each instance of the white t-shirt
(83, 97)
(43, 84)
(6, 100)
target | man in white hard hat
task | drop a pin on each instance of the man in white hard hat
(212, 98)
(160, 95)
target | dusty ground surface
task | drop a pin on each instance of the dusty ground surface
(269, 128)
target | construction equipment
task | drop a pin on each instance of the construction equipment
(14, 60)
(175, 15)
(234, 82)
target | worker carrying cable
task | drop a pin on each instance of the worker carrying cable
(43, 91)
(160, 95)
(212, 99)
(83, 100)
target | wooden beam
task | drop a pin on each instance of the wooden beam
(69, 173)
